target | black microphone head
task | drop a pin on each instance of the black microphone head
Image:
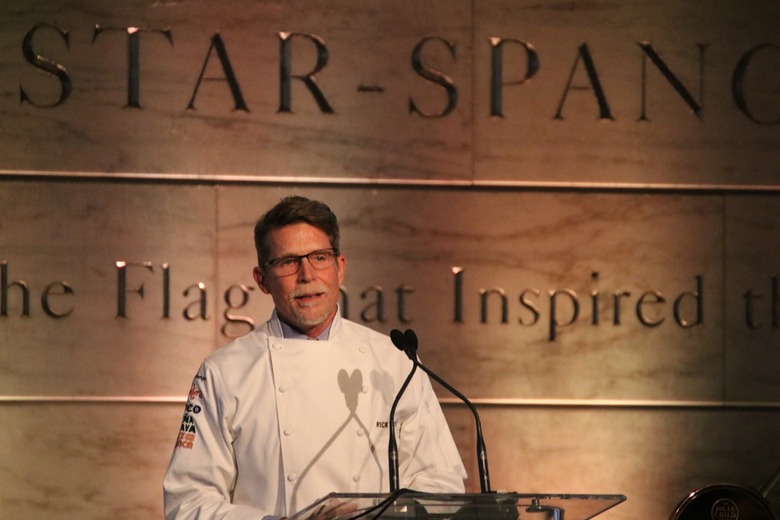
(398, 339)
(411, 341)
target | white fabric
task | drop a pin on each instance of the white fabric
(272, 424)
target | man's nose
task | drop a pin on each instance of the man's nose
(305, 270)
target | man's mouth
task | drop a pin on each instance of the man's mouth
(308, 298)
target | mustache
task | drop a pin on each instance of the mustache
(309, 289)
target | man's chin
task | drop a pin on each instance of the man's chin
(311, 319)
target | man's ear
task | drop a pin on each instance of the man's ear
(342, 265)
(257, 274)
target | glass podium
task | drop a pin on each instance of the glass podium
(412, 505)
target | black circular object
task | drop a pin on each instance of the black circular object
(723, 502)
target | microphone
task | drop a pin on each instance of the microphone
(392, 445)
(407, 342)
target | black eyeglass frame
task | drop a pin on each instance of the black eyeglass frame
(273, 263)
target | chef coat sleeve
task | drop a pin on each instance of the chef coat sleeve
(202, 471)
(430, 460)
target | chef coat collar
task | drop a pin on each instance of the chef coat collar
(279, 329)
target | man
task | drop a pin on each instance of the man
(299, 407)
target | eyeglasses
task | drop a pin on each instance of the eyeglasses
(288, 265)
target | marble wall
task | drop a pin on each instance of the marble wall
(595, 265)
(648, 411)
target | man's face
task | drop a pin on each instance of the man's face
(308, 299)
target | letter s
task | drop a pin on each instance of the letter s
(434, 76)
(47, 65)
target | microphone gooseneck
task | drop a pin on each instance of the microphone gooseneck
(392, 445)
(767, 487)
(407, 342)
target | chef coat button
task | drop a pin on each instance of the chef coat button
(361, 432)
(288, 431)
(276, 346)
(355, 478)
(364, 389)
(292, 477)
(282, 389)
(363, 350)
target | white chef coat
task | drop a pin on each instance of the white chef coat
(273, 424)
